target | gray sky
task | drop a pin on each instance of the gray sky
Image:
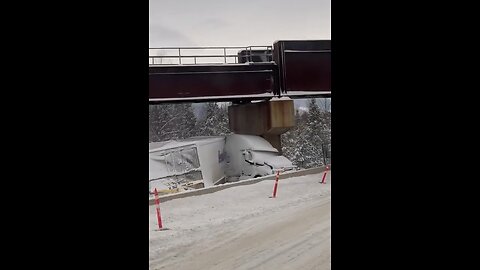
(180, 23)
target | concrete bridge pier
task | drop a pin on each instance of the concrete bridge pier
(268, 119)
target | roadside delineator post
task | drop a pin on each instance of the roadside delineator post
(276, 185)
(159, 217)
(324, 175)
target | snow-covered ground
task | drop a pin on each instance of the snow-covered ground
(242, 228)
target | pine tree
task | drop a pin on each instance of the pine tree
(215, 122)
(290, 139)
(307, 145)
(295, 145)
(186, 121)
(171, 121)
(158, 118)
(318, 131)
(325, 135)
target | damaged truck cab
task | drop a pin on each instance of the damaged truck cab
(250, 156)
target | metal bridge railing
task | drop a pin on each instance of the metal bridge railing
(208, 55)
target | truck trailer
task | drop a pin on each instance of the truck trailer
(198, 162)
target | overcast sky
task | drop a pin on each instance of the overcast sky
(180, 23)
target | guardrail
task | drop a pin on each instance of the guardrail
(216, 188)
(208, 55)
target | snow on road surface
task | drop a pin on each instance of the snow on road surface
(242, 228)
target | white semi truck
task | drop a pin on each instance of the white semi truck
(207, 161)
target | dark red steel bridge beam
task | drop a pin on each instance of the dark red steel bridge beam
(301, 69)
(211, 80)
(304, 65)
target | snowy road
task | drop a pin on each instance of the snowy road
(241, 228)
